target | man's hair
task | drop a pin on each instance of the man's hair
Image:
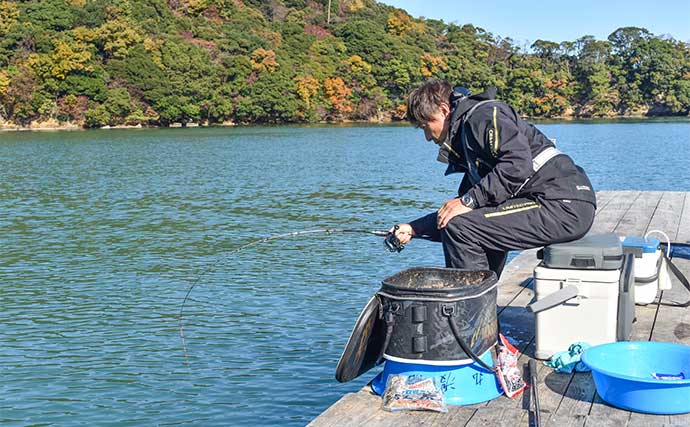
(425, 100)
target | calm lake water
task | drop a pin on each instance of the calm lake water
(102, 233)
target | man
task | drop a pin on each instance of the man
(518, 191)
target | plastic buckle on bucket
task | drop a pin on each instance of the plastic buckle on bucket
(390, 311)
(448, 310)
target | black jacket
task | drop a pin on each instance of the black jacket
(501, 146)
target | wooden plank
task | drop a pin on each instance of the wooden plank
(642, 328)
(577, 399)
(498, 417)
(684, 227)
(603, 421)
(625, 220)
(680, 420)
(610, 418)
(673, 323)
(456, 415)
(523, 400)
(604, 197)
(518, 325)
(559, 420)
(565, 399)
(668, 215)
(637, 218)
(551, 388)
(405, 418)
(635, 223)
(610, 215)
(521, 268)
(515, 321)
(668, 323)
(350, 410)
(648, 420)
(602, 410)
(514, 275)
(666, 219)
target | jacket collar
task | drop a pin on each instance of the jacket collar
(450, 156)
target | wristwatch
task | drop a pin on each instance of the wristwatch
(468, 201)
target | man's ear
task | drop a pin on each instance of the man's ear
(445, 109)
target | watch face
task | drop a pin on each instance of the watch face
(467, 200)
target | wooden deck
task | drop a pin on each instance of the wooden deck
(565, 399)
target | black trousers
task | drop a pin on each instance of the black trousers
(481, 239)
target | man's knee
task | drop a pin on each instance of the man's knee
(585, 220)
(456, 231)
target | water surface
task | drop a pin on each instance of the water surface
(103, 232)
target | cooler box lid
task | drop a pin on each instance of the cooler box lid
(592, 252)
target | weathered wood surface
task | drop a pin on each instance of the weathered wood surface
(565, 399)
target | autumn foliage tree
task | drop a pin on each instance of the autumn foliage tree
(98, 62)
(338, 94)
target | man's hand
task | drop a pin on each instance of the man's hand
(404, 233)
(449, 210)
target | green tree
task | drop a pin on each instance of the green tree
(97, 116)
(119, 104)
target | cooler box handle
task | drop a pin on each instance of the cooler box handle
(554, 299)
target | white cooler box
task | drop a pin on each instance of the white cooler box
(584, 292)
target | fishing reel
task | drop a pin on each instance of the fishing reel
(392, 243)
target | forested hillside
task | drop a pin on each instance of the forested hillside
(156, 62)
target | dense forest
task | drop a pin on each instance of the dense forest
(157, 62)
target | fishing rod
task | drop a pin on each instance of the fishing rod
(391, 242)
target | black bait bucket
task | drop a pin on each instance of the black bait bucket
(419, 316)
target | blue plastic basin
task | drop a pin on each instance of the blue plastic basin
(624, 371)
(464, 384)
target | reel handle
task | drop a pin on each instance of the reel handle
(392, 243)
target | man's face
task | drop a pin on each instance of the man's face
(436, 128)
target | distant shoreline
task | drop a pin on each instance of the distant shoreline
(56, 126)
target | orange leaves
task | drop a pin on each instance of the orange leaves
(338, 94)
(556, 83)
(307, 88)
(400, 112)
(264, 60)
(430, 65)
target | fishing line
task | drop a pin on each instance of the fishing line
(392, 243)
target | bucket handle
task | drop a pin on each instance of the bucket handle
(449, 312)
(668, 240)
(554, 299)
